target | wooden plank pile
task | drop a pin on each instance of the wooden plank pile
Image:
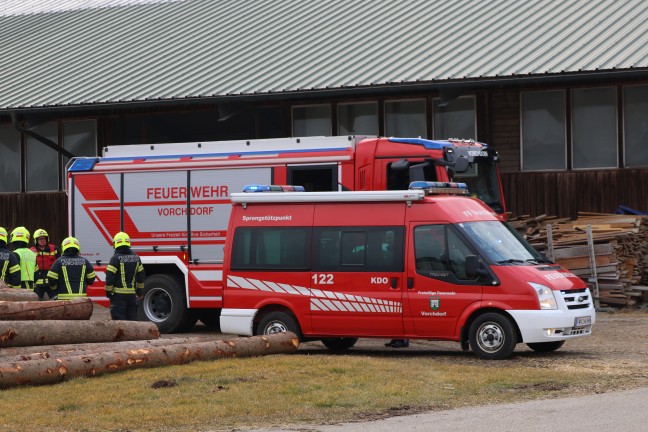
(46, 342)
(620, 248)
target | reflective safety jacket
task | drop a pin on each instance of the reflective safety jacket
(9, 268)
(28, 267)
(125, 273)
(70, 275)
(44, 260)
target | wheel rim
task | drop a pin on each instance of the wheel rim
(490, 337)
(275, 327)
(157, 305)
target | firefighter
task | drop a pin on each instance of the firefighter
(46, 254)
(70, 274)
(124, 280)
(26, 258)
(9, 265)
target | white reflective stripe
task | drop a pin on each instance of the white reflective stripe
(275, 287)
(101, 276)
(329, 305)
(239, 282)
(330, 294)
(260, 285)
(208, 275)
(317, 305)
(317, 293)
(290, 289)
(204, 298)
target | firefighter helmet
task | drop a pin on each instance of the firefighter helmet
(40, 232)
(70, 242)
(20, 234)
(3, 235)
(121, 239)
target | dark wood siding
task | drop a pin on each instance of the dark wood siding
(564, 194)
(47, 210)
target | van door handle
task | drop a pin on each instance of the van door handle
(394, 283)
(410, 282)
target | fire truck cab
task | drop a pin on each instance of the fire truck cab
(424, 263)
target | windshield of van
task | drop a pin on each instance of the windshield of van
(500, 243)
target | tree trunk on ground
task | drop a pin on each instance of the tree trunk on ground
(16, 354)
(33, 333)
(16, 294)
(51, 371)
(75, 309)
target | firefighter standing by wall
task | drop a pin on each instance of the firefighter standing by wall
(124, 280)
(27, 259)
(70, 274)
(9, 266)
(46, 254)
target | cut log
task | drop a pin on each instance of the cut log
(51, 371)
(16, 294)
(52, 332)
(74, 309)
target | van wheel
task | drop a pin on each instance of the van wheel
(492, 337)
(339, 344)
(278, 322)
(209, 317)
(545, 347)
(165, 305)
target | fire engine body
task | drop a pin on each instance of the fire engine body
(174, 201)
(394, 264)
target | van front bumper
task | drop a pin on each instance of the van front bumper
(537, 326)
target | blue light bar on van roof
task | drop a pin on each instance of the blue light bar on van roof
(273, 188)
(82, 164)
(433, 144)
(436, 188)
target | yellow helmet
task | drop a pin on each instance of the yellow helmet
(121, 239)
(40, 232)
(20, 234)
(3, 235)
(70, 242)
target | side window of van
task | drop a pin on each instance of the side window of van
(358, 249)
(438, 248)
(271, 249)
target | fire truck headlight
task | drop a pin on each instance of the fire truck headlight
(545, 296)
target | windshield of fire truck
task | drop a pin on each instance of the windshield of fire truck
(482, 181)
(500, 243)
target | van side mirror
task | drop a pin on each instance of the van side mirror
(472, 266)
(461, 164)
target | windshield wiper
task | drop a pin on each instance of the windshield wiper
(511, 261)
(538, 261)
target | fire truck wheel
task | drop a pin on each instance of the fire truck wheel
(339, 343)
(492, 337)
(164, 304)
(278, 322)
(545, 347)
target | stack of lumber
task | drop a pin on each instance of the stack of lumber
(620, 249)
(46, 342)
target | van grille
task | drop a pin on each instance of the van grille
(576, 299)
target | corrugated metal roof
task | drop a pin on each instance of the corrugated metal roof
(133, 50)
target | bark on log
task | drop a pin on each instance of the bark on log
(74, 309)
(15, 354)
(33, 333)
(51, 371)
(16, 294)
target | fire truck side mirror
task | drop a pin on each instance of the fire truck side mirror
(461, 164)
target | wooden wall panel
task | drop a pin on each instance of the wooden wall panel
(47, 210)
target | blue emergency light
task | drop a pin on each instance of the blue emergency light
(435, 188)
(273, 188)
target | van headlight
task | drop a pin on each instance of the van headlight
(545, 296)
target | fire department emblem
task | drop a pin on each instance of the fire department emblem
(435, 302)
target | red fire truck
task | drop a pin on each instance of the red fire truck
(420, 264)
(174, 201)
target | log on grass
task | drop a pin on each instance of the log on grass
(52, 332)
(51, 371)
(16, 354)
(16, 294)
(74, 309)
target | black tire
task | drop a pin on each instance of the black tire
(492, 337)
(278, 322)
(209, 317)
(545, 347)
(164, 304)
(339, 343)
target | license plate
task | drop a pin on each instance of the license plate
(583, 321)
